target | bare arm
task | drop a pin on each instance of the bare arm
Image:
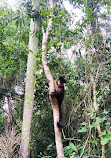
(58, 93)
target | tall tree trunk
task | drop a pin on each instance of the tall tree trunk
(96, 51)
(95, 105)
(54, 103)
(29, 89)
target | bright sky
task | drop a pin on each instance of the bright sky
(72, 10)
(67, 5)
(13, 3)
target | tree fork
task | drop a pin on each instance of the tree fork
(54, 103)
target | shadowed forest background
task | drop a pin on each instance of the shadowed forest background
(79, 49)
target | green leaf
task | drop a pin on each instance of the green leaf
(100, 120)
(68, 147)
(108, 9)
(73, 147)
(92, 126)
(84, 123)
(109, 137)
(83, 129)
(102, 133)
(104, 141)
(65, 46)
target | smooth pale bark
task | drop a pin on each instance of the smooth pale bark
(54, 103)
(29, 91)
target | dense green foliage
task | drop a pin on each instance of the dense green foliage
(91, 39)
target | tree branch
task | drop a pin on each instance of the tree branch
(54, 103)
